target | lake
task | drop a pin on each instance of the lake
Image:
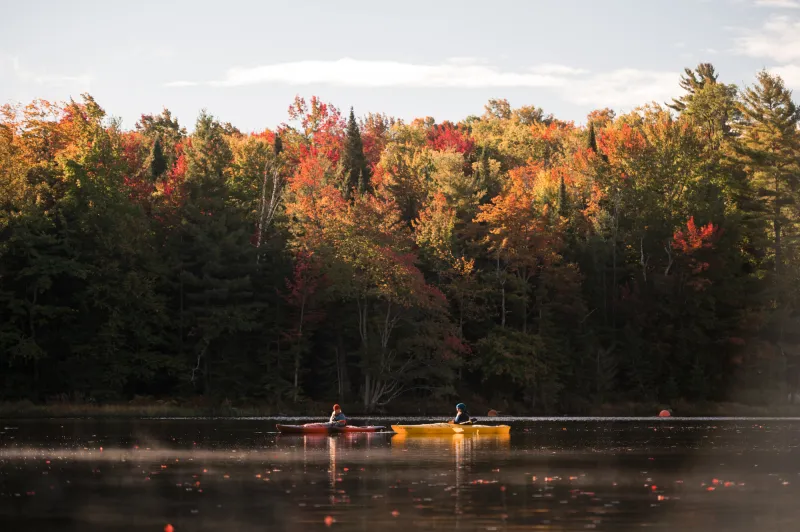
(549, 474)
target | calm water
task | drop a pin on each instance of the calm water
(558, 474)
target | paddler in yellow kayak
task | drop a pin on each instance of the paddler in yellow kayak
(462, 418)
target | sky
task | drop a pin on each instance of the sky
(245, 61)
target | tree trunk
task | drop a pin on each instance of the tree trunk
(341, 363)
(614, 272)
(367, 391)
(339, 383)
(263, 210)
(267, 211)
(363, 333)
(776, 224)
(296, 374)
(461, 316)
(380, 383)
(206, 376)
(297, 351)
(503, 295)
(524, 305)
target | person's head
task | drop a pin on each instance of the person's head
(461, 407)
(337, 409)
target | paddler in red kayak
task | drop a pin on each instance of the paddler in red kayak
(338, 416)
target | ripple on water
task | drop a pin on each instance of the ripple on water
(564, 473)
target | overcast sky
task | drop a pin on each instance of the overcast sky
(245, 61)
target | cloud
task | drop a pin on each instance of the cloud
(789, 73)
(778, 39)
(789, 4)
(459, 72)
(182, 83)
(624, 87)
(557, 70)
(78, 82)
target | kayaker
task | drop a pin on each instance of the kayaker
(338, 416)
(463, 416)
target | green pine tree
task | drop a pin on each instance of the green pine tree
(212, 264)
(592, 138)
(158, 163)
(768, 146)
(355, 168)
(693, 82)
(563, 199)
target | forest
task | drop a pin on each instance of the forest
(511, 258)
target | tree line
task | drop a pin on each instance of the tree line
(512, 256)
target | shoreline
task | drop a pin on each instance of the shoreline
(171, 409)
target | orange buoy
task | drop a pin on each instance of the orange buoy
(492, 413)
(169, 528)
(664, 413)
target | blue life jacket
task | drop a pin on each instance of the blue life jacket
(462, 417)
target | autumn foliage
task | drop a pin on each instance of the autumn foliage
(525, 260)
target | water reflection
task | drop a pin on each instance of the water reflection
(554, 475)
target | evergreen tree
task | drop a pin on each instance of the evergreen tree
(165, 130)
(213, 263)
(563, 199)
(158, 163)
(693, 82)
(355, 167)
(592, 143)
(769, 145)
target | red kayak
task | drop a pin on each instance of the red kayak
(323, 428)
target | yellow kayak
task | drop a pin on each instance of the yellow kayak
(446, 429)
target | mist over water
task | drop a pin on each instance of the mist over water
(549, 474)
